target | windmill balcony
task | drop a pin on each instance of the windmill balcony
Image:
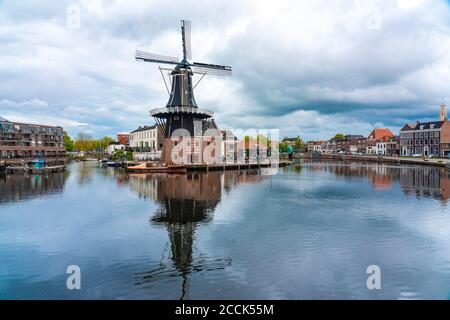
(181, 109)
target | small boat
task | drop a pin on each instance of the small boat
(152, 168)
(104, 162)
(37, 164)
(113, 164)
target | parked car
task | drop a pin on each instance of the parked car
(416, 155)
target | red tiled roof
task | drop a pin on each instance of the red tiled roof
(379, 133)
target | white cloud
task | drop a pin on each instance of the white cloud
(24, 105)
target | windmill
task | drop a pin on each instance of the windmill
(181, 111)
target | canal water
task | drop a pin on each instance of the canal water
(308, 232)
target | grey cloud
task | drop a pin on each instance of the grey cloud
(288, 57)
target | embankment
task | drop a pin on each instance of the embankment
(380, 159)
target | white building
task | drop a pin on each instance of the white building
(114, 147)
(146, 143)
(147, 138)
(380, 148)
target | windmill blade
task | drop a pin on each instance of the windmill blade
(211, 69)
(186, 35)
(157, 58)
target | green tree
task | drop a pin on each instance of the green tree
(339, 136)
(121, 155)
(104, 143)
(83, 142)
(68, 142)
(298, 143)
(283, 147)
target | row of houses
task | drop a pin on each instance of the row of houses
(417, 139)
(420, 138)
(381, 141)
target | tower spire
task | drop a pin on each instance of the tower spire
(443, 112)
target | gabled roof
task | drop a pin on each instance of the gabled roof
(379, 133)
(426, 125)
(144, 128)
(389, 139)
(3, 119)
(407, 127)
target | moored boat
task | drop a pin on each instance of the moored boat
(37, 164)
(153, 168)
(113, 164)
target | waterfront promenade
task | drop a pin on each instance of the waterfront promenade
(388, 159)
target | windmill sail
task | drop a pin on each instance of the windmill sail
(181, 110)
(211, 69)
(157, 58)
(186, 36)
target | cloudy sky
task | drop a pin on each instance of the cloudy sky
(309, 68)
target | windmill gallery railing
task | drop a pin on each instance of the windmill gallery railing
(181, 109)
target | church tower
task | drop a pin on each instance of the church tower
(443, 113)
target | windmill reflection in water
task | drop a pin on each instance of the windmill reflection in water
(186, 201)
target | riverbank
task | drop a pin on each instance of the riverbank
(201, 167)
(30, 169)
(20, 161)
(384, 159)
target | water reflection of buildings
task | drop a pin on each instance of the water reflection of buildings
(17, 187)
(380, 176)
(185, 202)
(425, 181)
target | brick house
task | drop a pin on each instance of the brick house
(350, 143)
(388, 146)
(377, 135)
(425, 138)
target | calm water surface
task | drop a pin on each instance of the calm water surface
(308, 232)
